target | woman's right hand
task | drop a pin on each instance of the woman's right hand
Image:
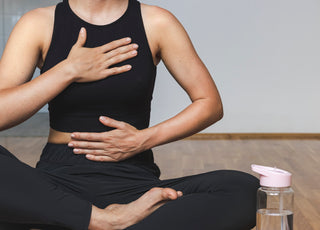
(92, 64)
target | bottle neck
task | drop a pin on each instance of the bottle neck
(276, 188)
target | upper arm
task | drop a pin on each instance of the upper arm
(23, 50)
(179, 55)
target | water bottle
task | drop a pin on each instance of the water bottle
(274, 199)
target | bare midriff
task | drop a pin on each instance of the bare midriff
(58, 137)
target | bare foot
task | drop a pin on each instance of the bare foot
(121, 216)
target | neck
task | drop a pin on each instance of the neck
(99, 11)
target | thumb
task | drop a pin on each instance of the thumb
(111, 122)
(82, 37)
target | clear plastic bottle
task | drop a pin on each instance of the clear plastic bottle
(274, 199)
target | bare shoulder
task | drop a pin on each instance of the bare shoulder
(26, 44)
(37, 22)
(157, 16)
(34, 25)
(37, 17)
(160, 25)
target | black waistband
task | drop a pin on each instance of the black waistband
(61, 154)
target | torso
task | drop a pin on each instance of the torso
(148, 18)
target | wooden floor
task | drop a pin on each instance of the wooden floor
(301, 157)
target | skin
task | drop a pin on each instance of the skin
(116, 216)
(168, 41)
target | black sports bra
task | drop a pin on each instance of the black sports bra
(125, 97)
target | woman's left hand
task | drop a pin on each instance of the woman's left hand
(119, 144)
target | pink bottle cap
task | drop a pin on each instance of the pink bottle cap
(272, 177)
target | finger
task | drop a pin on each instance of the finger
(116, 70)
(115, 44)
(121, 50)
(82, 37)
(86, 145)
(95, 152)
(107, 121)
(120, 58)
(98, 137)
(100, 158)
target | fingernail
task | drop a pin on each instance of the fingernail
(135, 46)
(70, 145)
(128, 39)
(82, 30)
(128, 67)
(134, 52)
(103, 118)
(72, 135)
(76, 150)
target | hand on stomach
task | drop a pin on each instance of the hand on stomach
(121, 143)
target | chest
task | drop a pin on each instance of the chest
(49, 33)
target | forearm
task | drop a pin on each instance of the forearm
(19, 103)
(196, 117)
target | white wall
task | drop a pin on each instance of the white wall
(263, 55)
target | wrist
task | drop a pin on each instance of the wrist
(148, 138)
(69, 72)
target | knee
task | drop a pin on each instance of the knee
(228, 181)
(239, 185)
(240, 188)
(238, 180)
(245, 188)
(245, 180)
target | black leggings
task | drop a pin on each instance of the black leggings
(59, 194)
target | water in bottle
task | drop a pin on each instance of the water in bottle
(274, 199)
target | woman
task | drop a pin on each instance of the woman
(99, 84)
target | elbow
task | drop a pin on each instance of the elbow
(2, 127)
(216, 112)
(219, 111)
(2, 124)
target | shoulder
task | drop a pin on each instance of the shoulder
(37, 22)
(38, 17)
(25, 45)
(35, 27)
(157, 16)
(162, 23)
(161, 26)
